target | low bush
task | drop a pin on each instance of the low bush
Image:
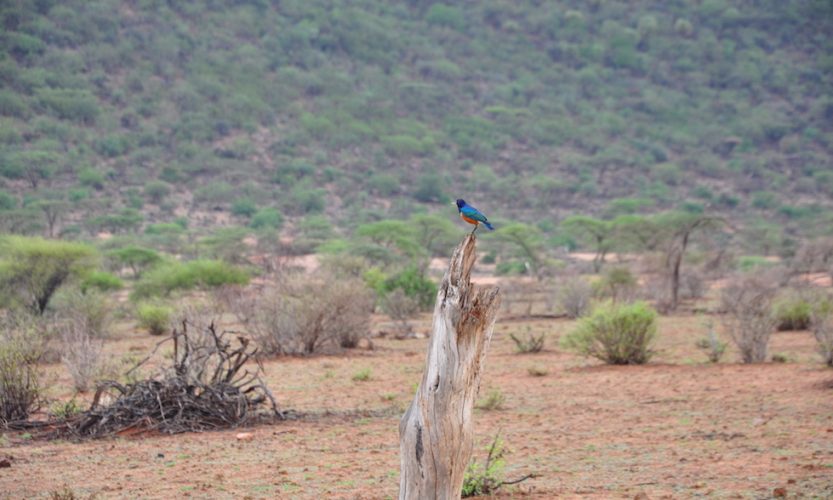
(529, 344)
(617, 284)
(156, 319)
(486, 479)
(400, 308)
(21, 392)
(81, 353)
(712, 345)
(414, 284)
(821, 323)
(574, 294)
(792, 312)
(267, 218)
(618, 335)
(749, 317)
(102, 281)
(164, 279)
(494, 400)
(308, 314)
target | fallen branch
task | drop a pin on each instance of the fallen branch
(205, 388)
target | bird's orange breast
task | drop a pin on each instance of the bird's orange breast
(470, 221)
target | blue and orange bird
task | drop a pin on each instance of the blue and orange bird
(472, 215)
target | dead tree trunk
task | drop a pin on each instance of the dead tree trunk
(436, 432)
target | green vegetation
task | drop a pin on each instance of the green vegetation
(102, 281)
(156, 319)
(792, 312)
(171, 276)
(618, 335)
(33, 269)
(387, 109)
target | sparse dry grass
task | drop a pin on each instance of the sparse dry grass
(588, 429)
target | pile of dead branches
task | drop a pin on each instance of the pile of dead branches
(206, 388)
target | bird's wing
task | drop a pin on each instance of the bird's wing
(473, 213)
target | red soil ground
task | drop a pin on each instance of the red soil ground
(675, 428)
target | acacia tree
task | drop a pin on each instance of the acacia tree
(434, 233)
(135, 257)
(53, 211)
(596, 232)
(527, 239)
(635, 233)
(32, 269)
(676, 230)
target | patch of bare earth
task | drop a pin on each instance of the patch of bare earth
(676, 428)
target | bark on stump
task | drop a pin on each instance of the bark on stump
(436, 432)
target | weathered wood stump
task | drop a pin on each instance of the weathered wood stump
(436, 432)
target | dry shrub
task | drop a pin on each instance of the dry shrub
(814, 256)
(401, 308)
(574, 294)
(711, 344)
(306, 314)
(656, 290)
(529, 344)
(749, 317)
(84, 321)
(81, 355)
(821, 323)
(20, 382)
(693, 284)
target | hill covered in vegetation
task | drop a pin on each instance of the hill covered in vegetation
(314, 116)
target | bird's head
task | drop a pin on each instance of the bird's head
(460, 203)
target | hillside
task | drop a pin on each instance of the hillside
(122, 116)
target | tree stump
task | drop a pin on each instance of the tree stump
(436, 432)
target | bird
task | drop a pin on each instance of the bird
(472, 215)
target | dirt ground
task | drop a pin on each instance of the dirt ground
(678, 427)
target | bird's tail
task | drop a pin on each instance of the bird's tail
(489, 226)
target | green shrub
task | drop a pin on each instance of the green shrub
(384, 184)
(751, 262)
(7, 201)
(510, 267)
(244, 207)
(430, 189)
(485, 479)
(306, 199)
(446, 16)
(494, 400)
(91, 178)
(156, 319)
(792, 313)
(618, 335)
(267, 218)
(112, 145)
(362, 375)
(156, 191)
(164, 279)
(101, 280)
(529, 344)
(69, 104)
(415, 285)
